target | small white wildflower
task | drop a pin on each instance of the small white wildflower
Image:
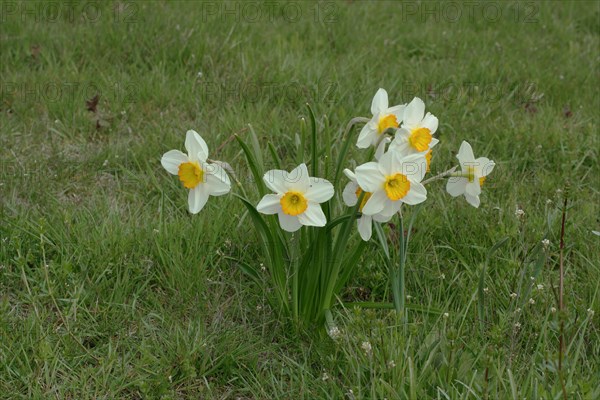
(155, 230)
(519, 213)
(334, 332)
(546, 243)
(105, 163)
(486, 290)
(517, 325)
(170, 379)
(446, 315)
(540, 286)
(262, 267)
(531, 301)
(548, 201)
(408, 297)
(350, 394)
(590, 312)
(324, 377)
(552, 310)
(443, 276)
(391, 364)
(532, 278)
(513, 295)
(258, 307)
(367, 348)
(518, 310)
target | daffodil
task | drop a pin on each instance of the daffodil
(471, 179)
(350, 195)
(393, 180)
(195, 173)
(416, 132)
(384, 117)
(296, 199)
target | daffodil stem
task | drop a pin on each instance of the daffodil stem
(295, 271)
(397, 272)
(440, 176)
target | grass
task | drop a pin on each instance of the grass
(110, 289)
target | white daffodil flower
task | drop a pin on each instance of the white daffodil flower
(203, 179)
(416, 132)
(384, 117)
(350, 195)
(470, 180)
(392, 180)
(296, 199)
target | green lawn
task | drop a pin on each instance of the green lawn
(110, 289)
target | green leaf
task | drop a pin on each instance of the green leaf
(339, 167)
(245, 268)
(274, 156)
(255, 168)
(256, 146)
(274, 249)
(382, 240)
(336, 221)
(313, 142)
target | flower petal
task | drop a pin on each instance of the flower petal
(349, 194)
(350, 175)
(472, 200)
(390, 208)
(269, 204)
(298, 179)
(465, 153)
(381, 147)
(367, 135)
(414, 166)
(380, 102)
(197, 198)
(386, 163)
(417, 194)
(365, 227)
(320, 190)
(473, 188)
(414, 112)
(196, 146)
(456, 186)
(430, 122)
(289, 223)
(397, 111)
(483, 166)
(400, 143)
(313, 216)
(216, 180)
(275, 180)
(382, 218)
(172, 159)
(375, 203)
(369, 177)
